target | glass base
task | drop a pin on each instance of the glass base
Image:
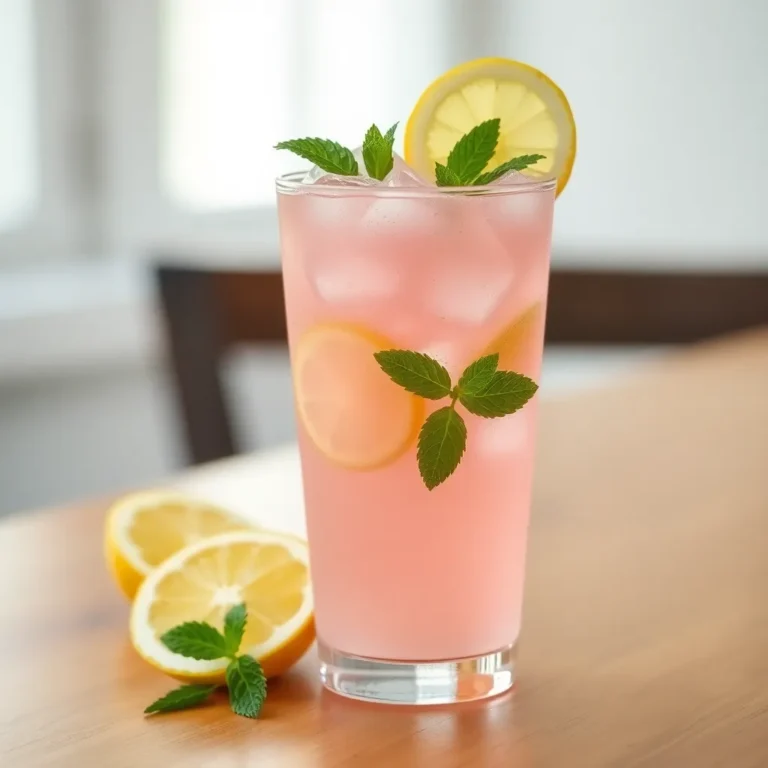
(401, 682)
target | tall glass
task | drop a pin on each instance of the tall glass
(418, 593)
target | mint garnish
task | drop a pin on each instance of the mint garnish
(445, 177)
(505, 393)
(196, 640)
(478, 374)
(472, 152)
(442, 441)
(463, 168)
(181, 698)
(234, 628)
(482, 390)
(328, 155)
(247, 686)
(416, 372)
(515, 164)
(377, 152)
(244, 675)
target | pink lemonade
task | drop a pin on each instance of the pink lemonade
(401, 573)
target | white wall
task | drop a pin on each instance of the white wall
(671, 103)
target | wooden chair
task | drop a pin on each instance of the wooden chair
(207, 312)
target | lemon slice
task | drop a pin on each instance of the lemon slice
(535, 117)
(267, 571)
(353, 413)
(516, 343)
(143, 529)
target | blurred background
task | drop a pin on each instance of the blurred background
(132, 128)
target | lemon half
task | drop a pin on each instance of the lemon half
(267, 571)
(143, 529)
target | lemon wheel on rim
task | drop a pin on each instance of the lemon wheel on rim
(534, 113)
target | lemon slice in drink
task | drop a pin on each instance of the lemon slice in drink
(143, 529)
(535, 117)
(267, 571)
(515, 343)
(353, 413)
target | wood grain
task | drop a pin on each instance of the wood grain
(645, 641)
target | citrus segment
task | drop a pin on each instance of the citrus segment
(534, 113)
(143, 529)
(267, 571)
(517, 343)
(353, 413)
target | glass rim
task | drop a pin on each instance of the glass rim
(291, 183)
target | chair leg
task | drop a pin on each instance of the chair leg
(191, 325)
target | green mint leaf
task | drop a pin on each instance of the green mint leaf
(472, 151)
(416, 372)
(479, 374)
(442, 441)
(377, 153)
(445, 177)
(390, 134)
(328, 155)
(247, 686)
(515, 164)
(505, 393)
(196, 640)
(234, 628)
(181, 698)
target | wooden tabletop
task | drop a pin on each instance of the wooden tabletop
(645, 637)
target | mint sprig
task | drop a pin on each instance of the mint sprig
(247, 686)
(416, 372)
(515, 164)
(244, 675)
(482, 390)
(505, 393)
(181, 698)
(442, 442)
(326, 154)
(196, 640)
(472, 152)
(377, 152)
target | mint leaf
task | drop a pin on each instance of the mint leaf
(234, 628)
(377, 152)
(247, 686)
(442, 441)
(181, 698)
(472, 151)
(505, 393)
(328, 155)
(416, 372)
(478, 374)
(515, 164)
(445, 177)
(390, 134)
(196, 640)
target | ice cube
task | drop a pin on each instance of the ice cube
(349, 277)
(475, 271)
(402, 217)
(503, 436)
(525, 207)
(317, 175)
(402, 175)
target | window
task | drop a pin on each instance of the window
(131, 126)
(19, 183)
(227, 80)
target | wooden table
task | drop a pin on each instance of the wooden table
(645, 638)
